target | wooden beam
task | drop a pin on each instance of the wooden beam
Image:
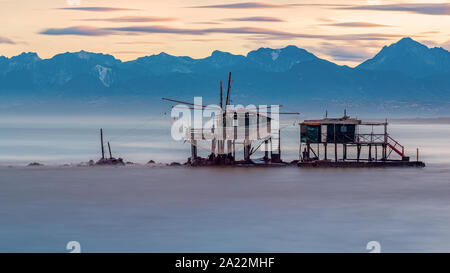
(228, 90)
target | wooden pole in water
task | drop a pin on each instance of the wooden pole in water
(335, 143)
(335, 152)
(213, 144)
(234, 149)
(279, 143)
(300, 145)
(308, 151)
(385, 141)
(109, 148)
(344, 147)
(247, 136)
(358, 152)
(376, 152)
(193, 147)
(228, 101)
(101, 141)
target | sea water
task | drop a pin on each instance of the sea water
(145, 208)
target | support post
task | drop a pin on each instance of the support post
(279, 143)
(335, 144)
(247, 136)
(221, 96)
(266, 150)
(376, 152)
(300, 157)
(344, 147)
(358, 152)
(308, 151)
(385, 141)
(326, 152)
(193, 147)
(101, 141)
(213, 144)
(370, 152)
(335, 152)
(109, 148)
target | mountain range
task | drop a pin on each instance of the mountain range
(406, 75)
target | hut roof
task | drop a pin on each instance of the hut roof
(326, 121)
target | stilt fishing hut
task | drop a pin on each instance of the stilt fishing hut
(352, 143)
(235, 130)
(232, 129)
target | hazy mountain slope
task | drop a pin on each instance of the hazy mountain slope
(405, 73)
(411, 58)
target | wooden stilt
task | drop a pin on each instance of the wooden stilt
(247, 136)
(358, 152)
(335, 152)
(344, 147)
(279, 143)
(213, 144)
(308, 151)
(193, 147)
(376, 152)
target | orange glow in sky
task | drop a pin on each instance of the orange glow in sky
(344, 31)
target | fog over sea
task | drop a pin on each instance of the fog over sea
(142, 208)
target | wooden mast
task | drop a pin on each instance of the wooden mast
(221, 96)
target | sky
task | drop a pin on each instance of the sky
(345, 31)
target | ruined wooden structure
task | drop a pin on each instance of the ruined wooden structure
(107, 161)
(234, 129)
(241, 130)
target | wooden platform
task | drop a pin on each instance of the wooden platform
(353, 164)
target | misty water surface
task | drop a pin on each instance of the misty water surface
(166, 209)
